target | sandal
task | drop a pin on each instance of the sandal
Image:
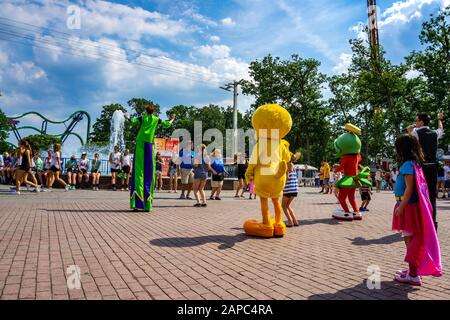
(197, 205)
(203, 204)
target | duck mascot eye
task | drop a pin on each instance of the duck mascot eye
(348, 147)
(268, 166)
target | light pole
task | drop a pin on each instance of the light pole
(227, 87)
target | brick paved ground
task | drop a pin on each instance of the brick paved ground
(178, 252)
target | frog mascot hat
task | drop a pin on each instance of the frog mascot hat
(268, 166)
(348, 147)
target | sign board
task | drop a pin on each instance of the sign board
(168, 148)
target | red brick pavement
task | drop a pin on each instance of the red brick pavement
(181, 252)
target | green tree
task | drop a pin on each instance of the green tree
(295, 84)
(4, 126)
(433, 62)
(42, 142)
(381, 93)
(4, 134)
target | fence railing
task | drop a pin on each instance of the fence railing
(103, 170)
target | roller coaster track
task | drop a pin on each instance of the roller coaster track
(74, 118)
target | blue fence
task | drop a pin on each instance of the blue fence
(103, 170)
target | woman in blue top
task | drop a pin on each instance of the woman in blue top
(217, 179)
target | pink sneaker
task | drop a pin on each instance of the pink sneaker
(406, 278)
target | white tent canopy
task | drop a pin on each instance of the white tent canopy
(305, 167)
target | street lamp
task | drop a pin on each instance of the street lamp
(232, 87)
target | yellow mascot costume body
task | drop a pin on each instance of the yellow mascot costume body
(267, 168)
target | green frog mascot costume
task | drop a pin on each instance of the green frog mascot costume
(348, 147)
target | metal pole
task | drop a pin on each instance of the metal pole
(235, 118)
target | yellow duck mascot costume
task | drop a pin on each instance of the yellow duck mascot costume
(268, 166)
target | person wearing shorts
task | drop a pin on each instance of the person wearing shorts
(72, 170)
(55, 169)
(83, 172)
(365, 197)
(47, 165)
(185, 160)
(114, 161)
(173, 176)
(39, 166)
(242, 165)
(159, 166)
(290, 192)
(202, 164)
(126, 170)
(447, 184)
(24, 169)
(441, 180)
(96, 172)
(217, 179)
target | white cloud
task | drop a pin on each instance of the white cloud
(14, 102)
(3, 58)
(359, 30)
(445, 3)
(228, 22)
(229, 68)
(400, 12)
(98, 18)
(403, 12)
(105, 18)
(202, 19)
(24, 72)
(214, 51)
(412, 74)
(344, 63)
(217, 38)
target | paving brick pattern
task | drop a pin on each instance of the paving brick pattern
(181, 252)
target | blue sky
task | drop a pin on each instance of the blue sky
(173, 51)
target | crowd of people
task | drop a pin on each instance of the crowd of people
(26, 167)
(194, 165)
(383, 180)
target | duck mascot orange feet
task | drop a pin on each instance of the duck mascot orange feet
(267, 168)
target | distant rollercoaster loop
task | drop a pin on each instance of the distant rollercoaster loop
(74, 119)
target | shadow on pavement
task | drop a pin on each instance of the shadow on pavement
(392, 238)
(326, 203)
(87, 210)
(226, 241)
(329, 221)
(389, 290)
(309, 222)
